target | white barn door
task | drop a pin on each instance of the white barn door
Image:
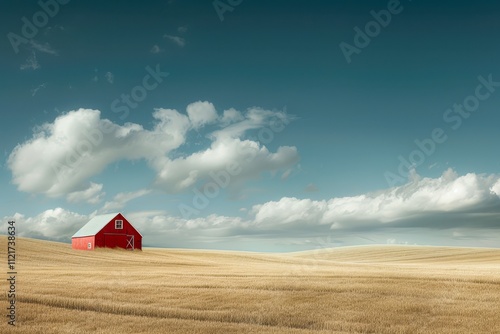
(130, 242)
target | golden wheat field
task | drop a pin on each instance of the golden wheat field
(369, 289)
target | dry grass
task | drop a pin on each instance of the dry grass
(383, 289)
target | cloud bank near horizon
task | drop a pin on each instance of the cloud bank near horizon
(463, 205)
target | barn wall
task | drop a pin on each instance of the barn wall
(105, 236)
(115, 240)
(82, 243)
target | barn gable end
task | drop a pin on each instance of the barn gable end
(110, 230)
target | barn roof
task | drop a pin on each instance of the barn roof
(94, 225)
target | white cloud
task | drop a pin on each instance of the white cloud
(121, 199)
(57, 224)
(254, 118)
(496, 188)
(247, 158)
(176, 39)
(421, 198)
(79, 145)
(201, 113)
(31, 63)
(160, 224)
(289, 210)
(182, 29)
(93, 194)
(110, 77)
(231, 116)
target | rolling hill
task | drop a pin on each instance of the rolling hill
(368, 289)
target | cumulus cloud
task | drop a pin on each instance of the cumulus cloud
(57, 224)
(78, 145)
(231, 116)
(93, 194)
(201, 113)
(462, 210)
(496, 187)
(245, 159)
(121, 199)
(420, 202)
(290, 210)
(255, 118)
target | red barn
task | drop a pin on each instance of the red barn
(110, 230)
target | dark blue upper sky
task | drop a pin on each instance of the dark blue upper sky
(350, 122)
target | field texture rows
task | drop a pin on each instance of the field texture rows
(373, 289)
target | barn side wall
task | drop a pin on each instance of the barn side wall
(82, 243)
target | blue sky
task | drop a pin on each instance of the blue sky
(306, 109)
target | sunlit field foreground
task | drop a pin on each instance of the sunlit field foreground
(371, 289)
